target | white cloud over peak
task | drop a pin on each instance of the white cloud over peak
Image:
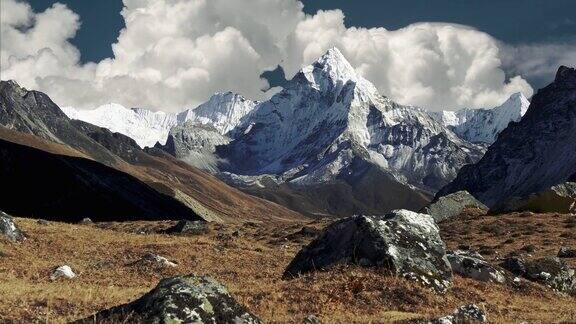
(174, 54)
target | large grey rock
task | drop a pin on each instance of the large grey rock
(9, 229)
(552, 272)
(452, 205)
(406, 242)
(183, 299)
(473, 265)
(556, 199)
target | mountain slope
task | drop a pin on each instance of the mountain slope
(66, 188)
(34, 113)
(144, 126)
(484, 125)
(529, 156)
(203, 193)
(327, 117)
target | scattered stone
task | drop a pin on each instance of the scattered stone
(565, 252)
(237, 233)
(63, 272)
(9, 229)
(311, 319)
(463, 315)
(560, 198)
(552, 272)
(157, 260)
(472, 265)
(42, 222)
(86, 221)
(197, 227)
(182, 299)
(407, 243)
(514, 265)
(452, 205)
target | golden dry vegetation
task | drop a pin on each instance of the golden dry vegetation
(249, 259)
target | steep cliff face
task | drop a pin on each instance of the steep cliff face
(531, 155)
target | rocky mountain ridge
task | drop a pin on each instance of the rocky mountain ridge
(529, 156)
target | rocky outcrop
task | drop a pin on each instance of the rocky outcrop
(472, 265)
(189, 227)
(552, 272)
(463, 315)
(183, 299)
(566, 252)
(452, 205)
(407, 243)
(549, 271)
(195, 144)
(9, 229)
(557, 199)
(529, 156)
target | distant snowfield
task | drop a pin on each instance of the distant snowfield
(223, 111)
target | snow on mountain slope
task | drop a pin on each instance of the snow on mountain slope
(223, 111)
(144, 126)
(484, 125)
(328, 119)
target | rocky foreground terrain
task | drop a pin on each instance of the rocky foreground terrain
(116, 263)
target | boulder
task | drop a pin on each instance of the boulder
(197, 227)
(552, 272)
(9, 229)
(556, 199)
(182, 299)
(452, 205)
(86, 221)
(63, 272)
(405, 242)
(463, 314)
(515, 265)
(565, 252)
(472, 265)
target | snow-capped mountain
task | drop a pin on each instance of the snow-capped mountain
(142, 125)
(484, 125)
(531, 155)
(223, 112)
(329, 119)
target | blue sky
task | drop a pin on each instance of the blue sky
(169, 62)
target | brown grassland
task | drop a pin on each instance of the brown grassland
(249, 259)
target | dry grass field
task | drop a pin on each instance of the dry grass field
(249, 258)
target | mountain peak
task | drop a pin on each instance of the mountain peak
(331, 68)
(566, 75)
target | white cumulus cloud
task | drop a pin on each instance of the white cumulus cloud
(174, 54)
